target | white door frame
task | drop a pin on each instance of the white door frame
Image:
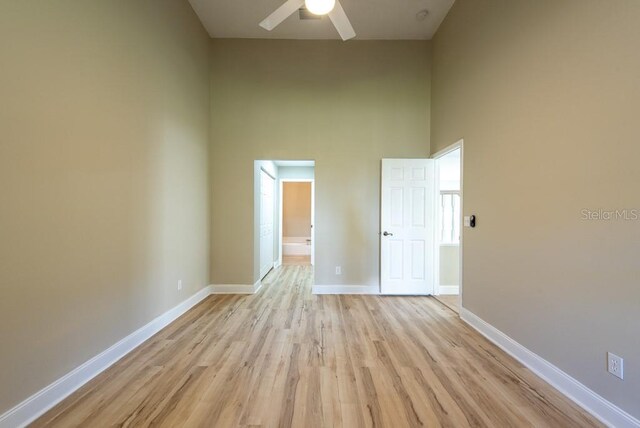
(455, 146)
(313, 215)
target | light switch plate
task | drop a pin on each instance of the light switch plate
(467, 221)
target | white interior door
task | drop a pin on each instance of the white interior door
(313, 222)
(267, 185)
(407, 226)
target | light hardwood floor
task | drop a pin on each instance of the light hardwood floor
(296, 260)
(285, 357)
(451, 301)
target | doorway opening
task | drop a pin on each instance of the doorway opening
(285, 191)
(296, 213)
(448, 241)
(296, 208)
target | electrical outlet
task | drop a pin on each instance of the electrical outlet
(615, 365)
(338, 270)
(179, 284)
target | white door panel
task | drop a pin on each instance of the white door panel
(267, 185)
(313, 223)
(418, 257)
(408, 218)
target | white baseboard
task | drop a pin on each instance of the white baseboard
(236, 288)
(36, 405)
(448, 290)
(346, 289)
(593, 403)
(277, 263)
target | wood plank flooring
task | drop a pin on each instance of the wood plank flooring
(296, 260)
(287, 358)
(451, 301)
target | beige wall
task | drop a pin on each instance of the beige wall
(296, 209)
(344, 105)
(103, 177)
(546, 95)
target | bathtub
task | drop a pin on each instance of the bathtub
(296, 246)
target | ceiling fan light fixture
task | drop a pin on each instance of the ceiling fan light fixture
(320, 7)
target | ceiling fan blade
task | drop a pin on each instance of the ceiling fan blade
(341, 22)
(281, 13)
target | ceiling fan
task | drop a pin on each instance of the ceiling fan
(333, 8)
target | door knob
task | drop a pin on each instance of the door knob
(387, 233)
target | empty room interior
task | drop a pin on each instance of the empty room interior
(306, 213)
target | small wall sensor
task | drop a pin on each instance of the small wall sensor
(470, 221)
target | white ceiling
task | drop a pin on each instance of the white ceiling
(371, 19)
(294, 163)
